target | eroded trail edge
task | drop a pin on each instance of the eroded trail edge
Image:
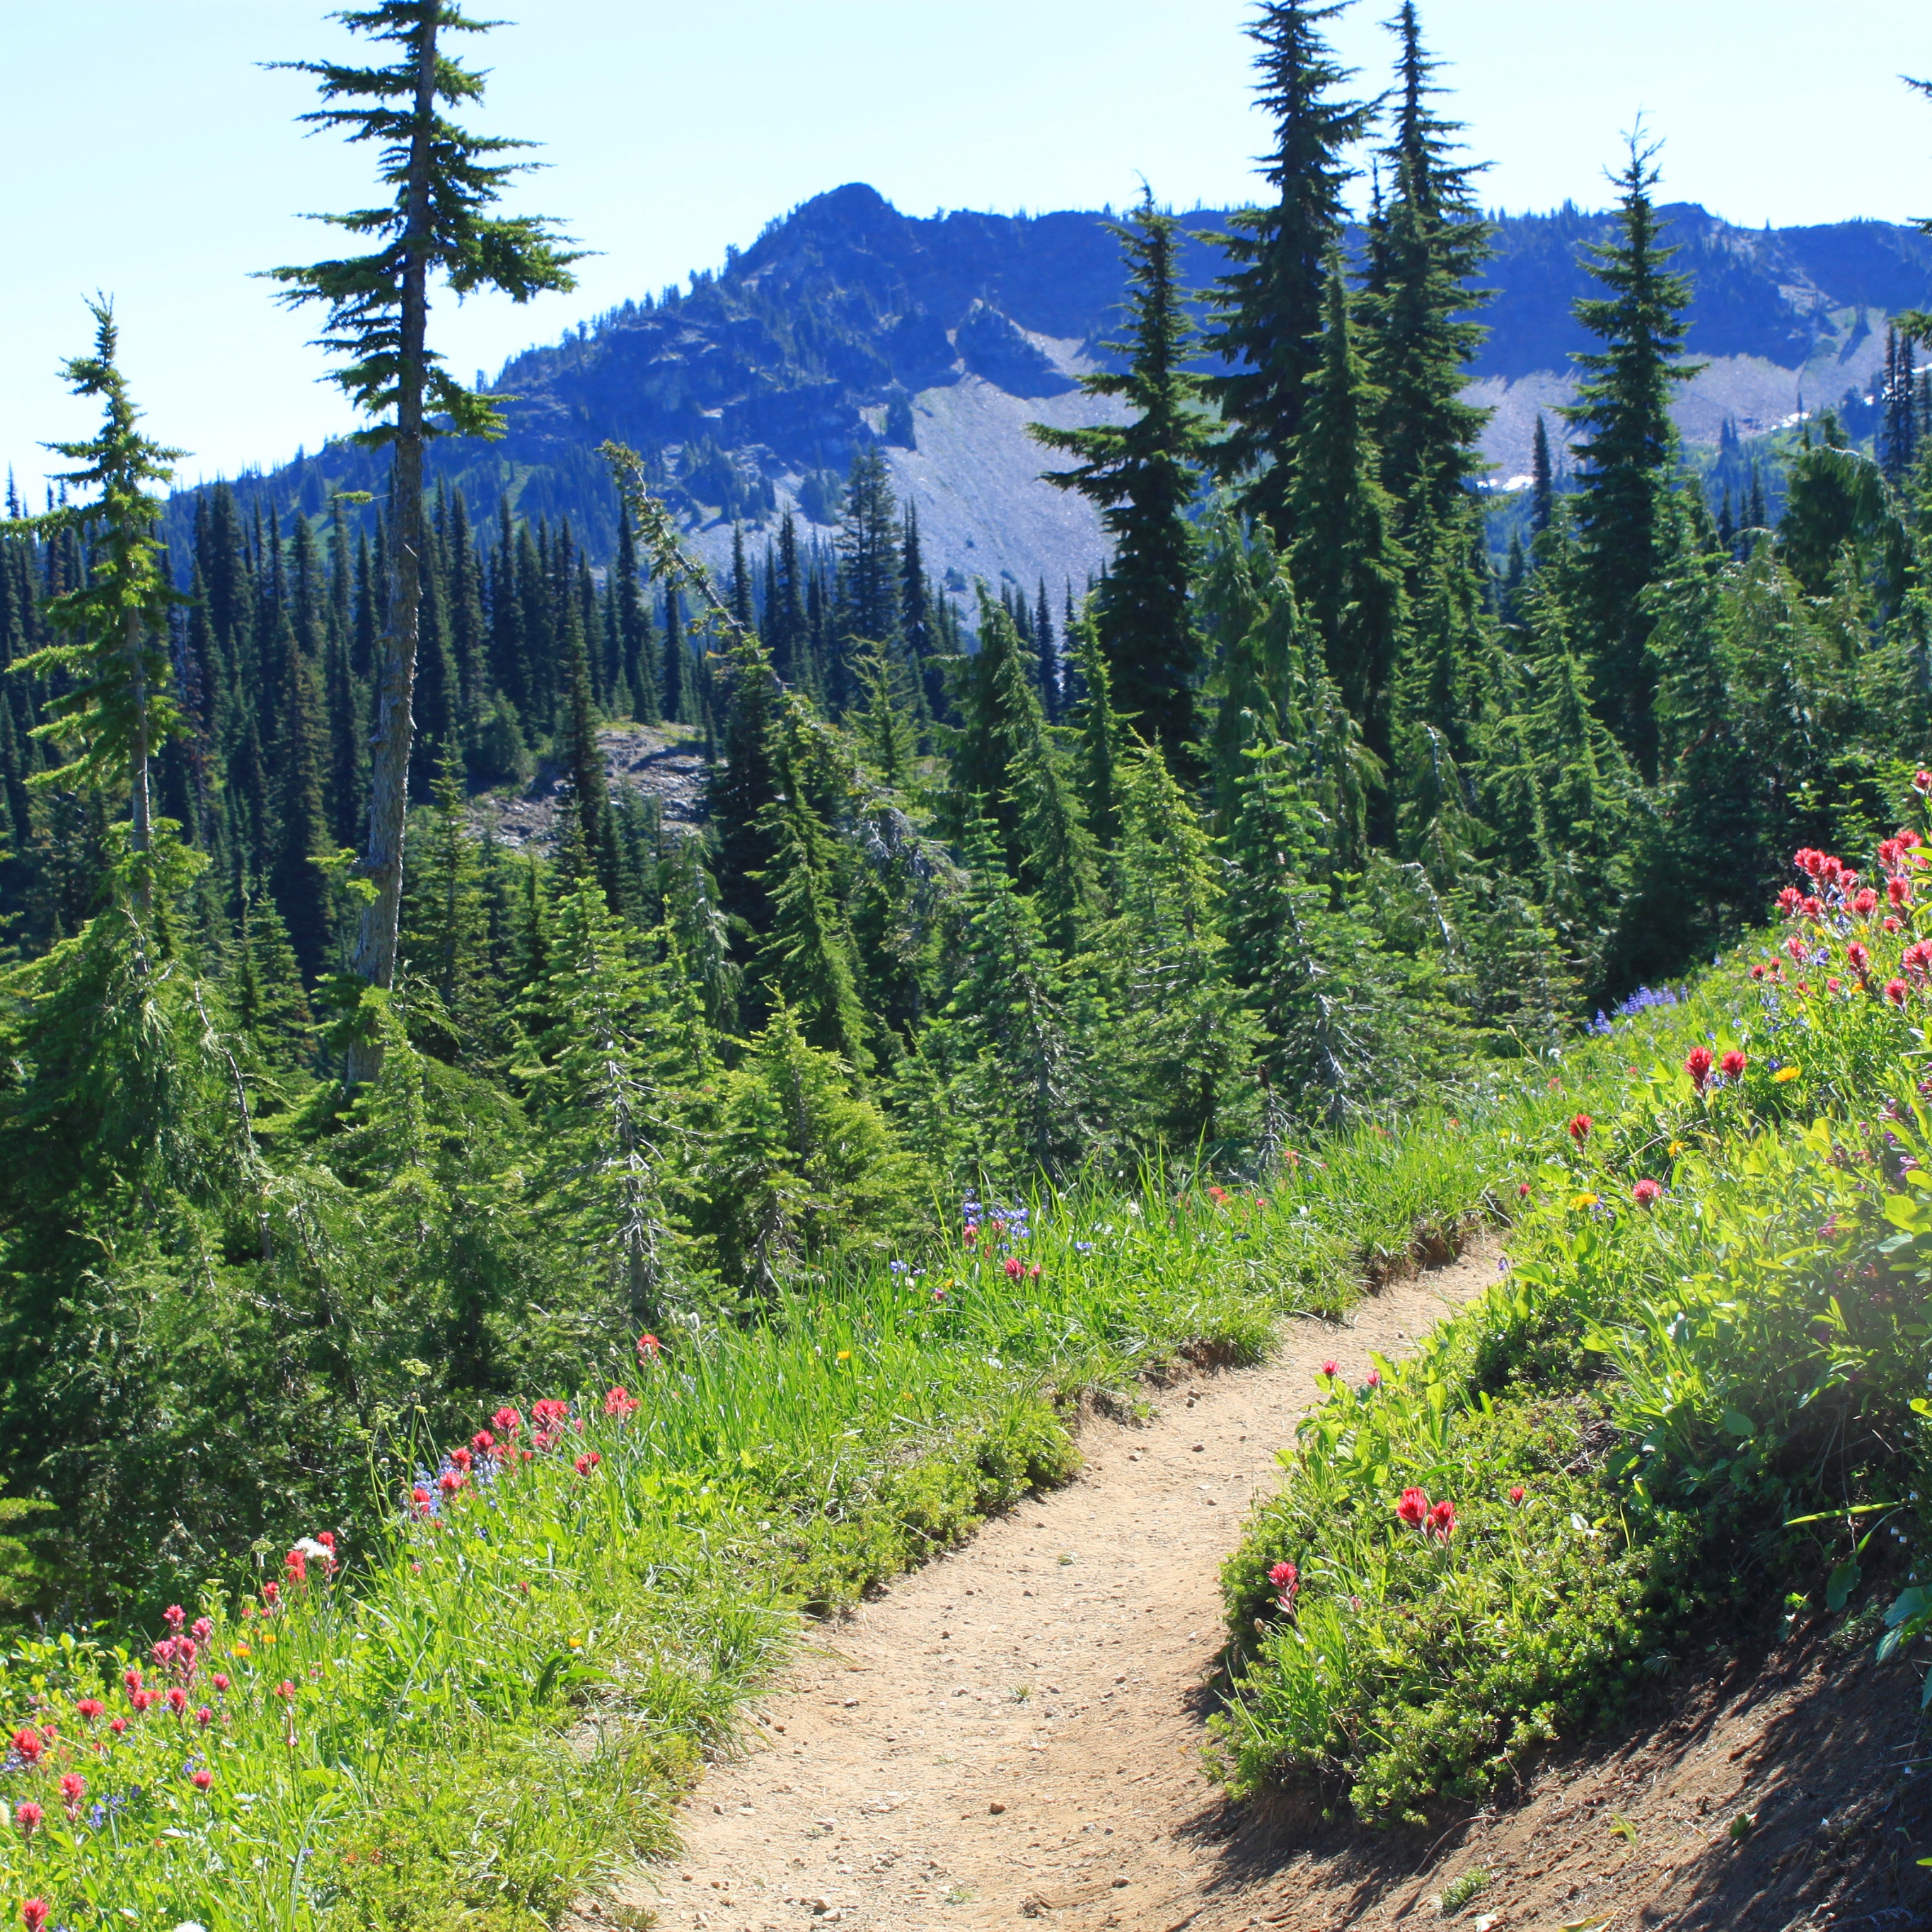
(1014, 1731)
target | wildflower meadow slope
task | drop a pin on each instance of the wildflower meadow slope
(1694, 1403)
(470, 1719)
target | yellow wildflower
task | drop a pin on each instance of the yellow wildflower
(845, 1354)
(1579, 1202)
(242, 1650)
(1785, 1073)
(1676, 1148)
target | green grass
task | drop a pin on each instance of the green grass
(491, 1709)
(1670, 1414)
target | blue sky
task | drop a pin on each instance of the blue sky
(148, 155)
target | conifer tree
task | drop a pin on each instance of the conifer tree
(807, 955)
(603, 1090)
(675, 693)
(1542, 482)
(300, 886)
(871, 591)
(590, 791)
(1143, 475)
(1346, 561)
(1315, 978)
(1270, 303)
(1100, 735)
(1420, 339)
(116, 709)
(634, 624)
(375, 308)
(805, 1169)
(1181, 1072)
(1623, 407)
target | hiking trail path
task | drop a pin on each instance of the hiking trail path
(1015, 1730)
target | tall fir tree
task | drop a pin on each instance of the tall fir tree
(1628, 445)
(1144, 475)
(375, 308)
(1269, 304)
(1344, 559)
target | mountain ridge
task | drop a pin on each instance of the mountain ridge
(937, 337)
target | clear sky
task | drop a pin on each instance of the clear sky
(147, 153)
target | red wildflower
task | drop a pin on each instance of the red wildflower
(177, 1700)
(1899, 891)
(1921, 782)
(204, 1717)
(1891, 854)
(186, 1652)
(117, 1725)
(296, 1564)
(1857, 956)
(163, 1653)
(90, 1707)
(1016, 1268)
(73, 1788)
(1522, 1190)
(326, 1538)
(620, 1402)
(204, 1627)
(28, 1745)
(507, 1421)
(971, 1233)
(285, 1690)
(1697, 1064)
(1795, 947)
(1731, 1067)
(1217, 1195)
(1645, 1192)
(449, 1482)
(174, 1616)
(1033, 1272)
(462, 1458)
(1864, 903)
(1516, 1493)
(588, 1461)
(483, 1443)
(1413, 1509)
(1895, 991)
(548, 1413)
(544, 1439)
(1812, 908)
(1286, 1580)
(1917, 959)
(1789, 901)
(1580, 1125)
(142, 1700)
(421, 1500)
(29, 1815)
(1374, 1379)
(202, 1780)
(1835, 984)
(219, 1681)
(132, 1678)
(271, 1593)
(1442, 1521)
(1808, 860)
(1330, 1369)
(33, 1913)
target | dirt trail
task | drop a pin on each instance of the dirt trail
(1014, 1731)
